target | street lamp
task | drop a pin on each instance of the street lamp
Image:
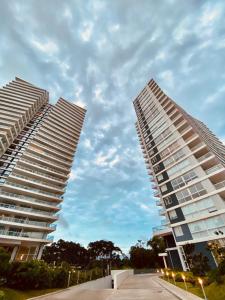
(183, 277)
(202, 286)
(173, 275)
(68, 283)
(167, 274)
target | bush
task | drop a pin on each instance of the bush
(30, 275)
(215, 276)
(2, 295)
(60, 278)
(221, 267)
(4, 262)
(178, 277)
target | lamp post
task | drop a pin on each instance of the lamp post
(78, 276)
(167, 274)
(68, 283)
(202, 286)
(173, 275)
(183, 277)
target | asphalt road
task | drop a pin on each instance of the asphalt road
(137, 287)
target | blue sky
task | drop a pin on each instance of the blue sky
(100, 54)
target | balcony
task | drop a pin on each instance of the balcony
(156, 194)
(28, 210)
(214, 169)
(30, 199)
(42, 174)
(33, 190)
(30, 235)
(205, 156)
(38, 183)
(220, 185)
(162, 212)
(197, 146)
(158, 203)
(52, 227)
(161, 230)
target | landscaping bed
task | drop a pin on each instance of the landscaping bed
(213, 289)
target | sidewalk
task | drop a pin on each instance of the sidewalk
(176, 291)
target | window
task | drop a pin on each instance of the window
(178, 167)
(159, 177)
(178, 231)
(204, 225)
(172, 214)
(199, 208)
(193, 192)
(183, 180)
(163, 188)
(175, 157)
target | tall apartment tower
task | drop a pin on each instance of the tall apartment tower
(37, 144)
(186, 164)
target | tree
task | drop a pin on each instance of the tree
(200, 264)
(105, 252)
(70, 252)
(157, 244)
(4, 262)
(141, 257)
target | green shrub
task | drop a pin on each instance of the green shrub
(215, 276)
(60, 278)
(178, 277)
(221, 267)
(4, 262)
(30, 275)
(2, 295)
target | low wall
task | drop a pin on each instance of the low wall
(101, 283)
(119, 276)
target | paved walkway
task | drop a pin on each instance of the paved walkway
(137, 287)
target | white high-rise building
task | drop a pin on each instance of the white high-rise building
(37, 145)
(186, 162)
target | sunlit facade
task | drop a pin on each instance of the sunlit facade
(37, 145)
(186, 164)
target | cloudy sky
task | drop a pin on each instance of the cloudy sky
(100, 54)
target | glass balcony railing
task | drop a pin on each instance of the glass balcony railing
(28, 222)
(160, 228)
(40, 173)
(34, 235)
(205, 156)
(27, 209)
(38, 181)
(60, 161)
(41, 192)
(44, 160)
(220, 185)
(30, 199)
(41, 166)
(214, 169)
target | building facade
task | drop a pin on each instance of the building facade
(37, 144)
(186, 164)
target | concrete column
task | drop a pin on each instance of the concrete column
(181, 259)
(164, 260)
(13, 255)
(40, 252)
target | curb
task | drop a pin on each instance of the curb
(171, 288)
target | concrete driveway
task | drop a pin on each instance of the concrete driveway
(137, 287)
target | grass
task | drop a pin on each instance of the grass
(11, 294)
(213, 291)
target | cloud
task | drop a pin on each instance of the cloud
(49, 47)
(86, 31)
